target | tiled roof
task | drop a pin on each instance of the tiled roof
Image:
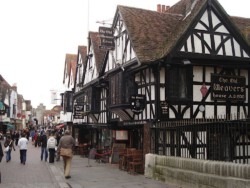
(244, 26)
(154, 34)
(70, 64)
(99, 54)
(82, 50)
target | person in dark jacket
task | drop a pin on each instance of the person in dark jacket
(16, 137)
(9, 142)
(44, 151)
(1, 152)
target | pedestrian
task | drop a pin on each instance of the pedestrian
(58, 137)
(39, 139)
(51, 146)
(9, 143)
(1, 152)
(16, 136)
(44, 151)
(27, 134)
(66, 142)
(23, 146)
(1, 156)
(35, 138)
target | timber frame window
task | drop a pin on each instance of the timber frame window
(179, 83)
(122, 87)
(92, 99)
(68, 101)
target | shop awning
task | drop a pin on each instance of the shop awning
(60, 126)
(10, 126)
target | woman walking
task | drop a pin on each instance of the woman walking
(23, 146)
(51, 146)
(9, 143)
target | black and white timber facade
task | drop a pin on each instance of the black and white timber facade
(176, 81)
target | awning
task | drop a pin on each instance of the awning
(60, 126)
(10, 126)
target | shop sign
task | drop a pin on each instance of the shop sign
(78, 112)
(106, 38)
(107, 43)
(106, 32)
(137, 103)
(228, 87)
(2, 108)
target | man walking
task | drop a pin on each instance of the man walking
(23, 146)
(66, 142)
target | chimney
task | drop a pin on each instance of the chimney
(163, 8)
(167, 7)
(159, 8)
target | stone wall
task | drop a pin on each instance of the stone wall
(195, 173)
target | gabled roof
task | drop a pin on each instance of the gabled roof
(82, 50)
(154, 34)
(70, 66)
(99, 54)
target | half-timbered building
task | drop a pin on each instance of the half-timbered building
(90, 119)
(67, 97)
(175, 83)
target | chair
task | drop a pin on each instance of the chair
(127, 158)
(121, 158)
(136, 163)
(102, 155)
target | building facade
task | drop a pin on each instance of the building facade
(171, 82)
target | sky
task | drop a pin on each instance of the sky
(36, 35)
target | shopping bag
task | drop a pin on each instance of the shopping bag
(66, 152)
(6, 149)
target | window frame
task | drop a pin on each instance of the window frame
(174, 90)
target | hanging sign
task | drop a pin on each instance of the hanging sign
(106, 32)
(138, 103)
(106, 38)
(78, 112)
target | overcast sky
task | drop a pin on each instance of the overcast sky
(35, 36)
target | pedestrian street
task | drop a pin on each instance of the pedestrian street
(34, 174)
